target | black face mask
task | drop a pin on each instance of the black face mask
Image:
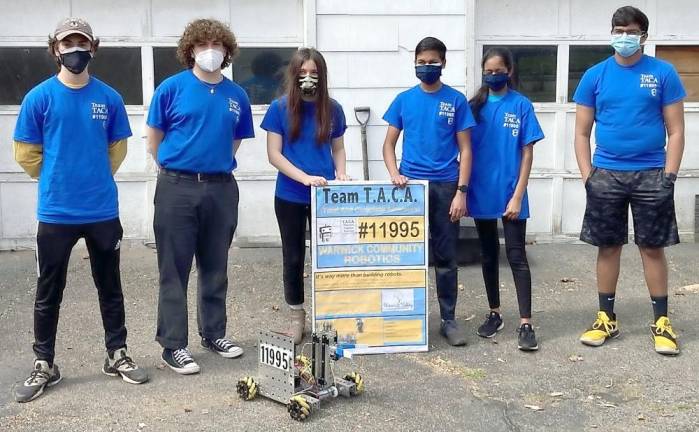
(76, 61)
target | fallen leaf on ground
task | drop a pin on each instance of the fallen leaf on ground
(501, 360)
(608, 405)
(688, 289)
(188, 410)
(461, 287)
(568, 280)
(275, 308)
(641, 417)
(470, 317)
(610, 385)
(575, 358)
(534, 407)
(556, 394)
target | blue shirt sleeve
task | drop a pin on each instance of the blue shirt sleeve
(30, 121)
(158, 112)
(673, 91)
(339, 121)
(585, 93)
(119, 127)
(272, 121)
(394, 114)
(464, 115)
(244, 128)
(530, 130)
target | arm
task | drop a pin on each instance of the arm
(458, 207)
(525, 168)
(340, 158)
(277, 159)
(584, 118)
(674, 122)
(389, 156)
(29, 157)
(154, 137)
(117, 154)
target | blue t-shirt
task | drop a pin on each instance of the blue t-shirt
(199, 125)
(628, 101)
(74, 128)
(430, 122)
(304, 153)
(504, 127)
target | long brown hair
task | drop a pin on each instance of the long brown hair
(293, 92)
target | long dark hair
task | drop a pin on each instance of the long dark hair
(481, 96)
(295, 102)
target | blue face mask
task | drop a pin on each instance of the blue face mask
(626, 45)
(429, 73)
(496, 81)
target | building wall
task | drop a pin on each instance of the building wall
(369, 49)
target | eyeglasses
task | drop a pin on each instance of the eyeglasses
(619, 32)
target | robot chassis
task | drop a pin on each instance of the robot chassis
(299, 382)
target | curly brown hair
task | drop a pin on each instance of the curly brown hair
(204, 30)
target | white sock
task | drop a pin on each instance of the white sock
(296, 307)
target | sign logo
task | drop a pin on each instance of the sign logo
(513, 122)
(649, 81)
(447, 109)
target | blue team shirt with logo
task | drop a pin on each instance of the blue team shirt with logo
(199, 126)
(504, 127)
(630, 129)
(304, 153)
(74, 128)
(430, 122)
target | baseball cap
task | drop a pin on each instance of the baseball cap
(69, 26)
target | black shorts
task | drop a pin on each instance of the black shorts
(651, 197)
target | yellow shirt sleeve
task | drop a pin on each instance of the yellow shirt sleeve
(29, 157)
(117, 154)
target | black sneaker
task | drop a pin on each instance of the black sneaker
(181, 361)
(223, 347)
(527, 338)
(41, 377)
(493, 324)
(450, 330)
(118, 363)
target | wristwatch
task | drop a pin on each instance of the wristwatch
(463, 188)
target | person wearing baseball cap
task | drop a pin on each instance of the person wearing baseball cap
(71, 135)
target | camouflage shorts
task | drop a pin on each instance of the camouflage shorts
(651, 197)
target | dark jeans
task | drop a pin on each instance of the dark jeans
(191, 219)
(444, 235)
(292, 218)
(54, 244)
(515, 234)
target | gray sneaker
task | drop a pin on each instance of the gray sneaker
(454, 336)
(118, 363)
(41, 377)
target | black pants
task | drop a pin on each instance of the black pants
(191, 219)
(444, 235)
(515, 232)
(292, 218)
(54, 245)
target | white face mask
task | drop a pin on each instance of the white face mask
(209, 60)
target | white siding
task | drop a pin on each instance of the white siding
(368, 45)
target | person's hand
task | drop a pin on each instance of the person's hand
(513, 208)
(399, 180)
(343, 177)
(457, 210)
(315, 181)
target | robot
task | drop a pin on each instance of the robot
(297, 381)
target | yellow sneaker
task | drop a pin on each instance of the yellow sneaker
(664, 337)
(602, 329)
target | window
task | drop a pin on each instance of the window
(686, 61)
(582, 57)
(535, 71)
(21, 69)
(260, 71)
(121, 69)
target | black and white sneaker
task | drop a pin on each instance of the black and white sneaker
(118, 363)
(181, 361)
(223, 347)
(527, 338)
(493, 324)
(42, 376)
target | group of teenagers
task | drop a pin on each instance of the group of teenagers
(72, 132)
